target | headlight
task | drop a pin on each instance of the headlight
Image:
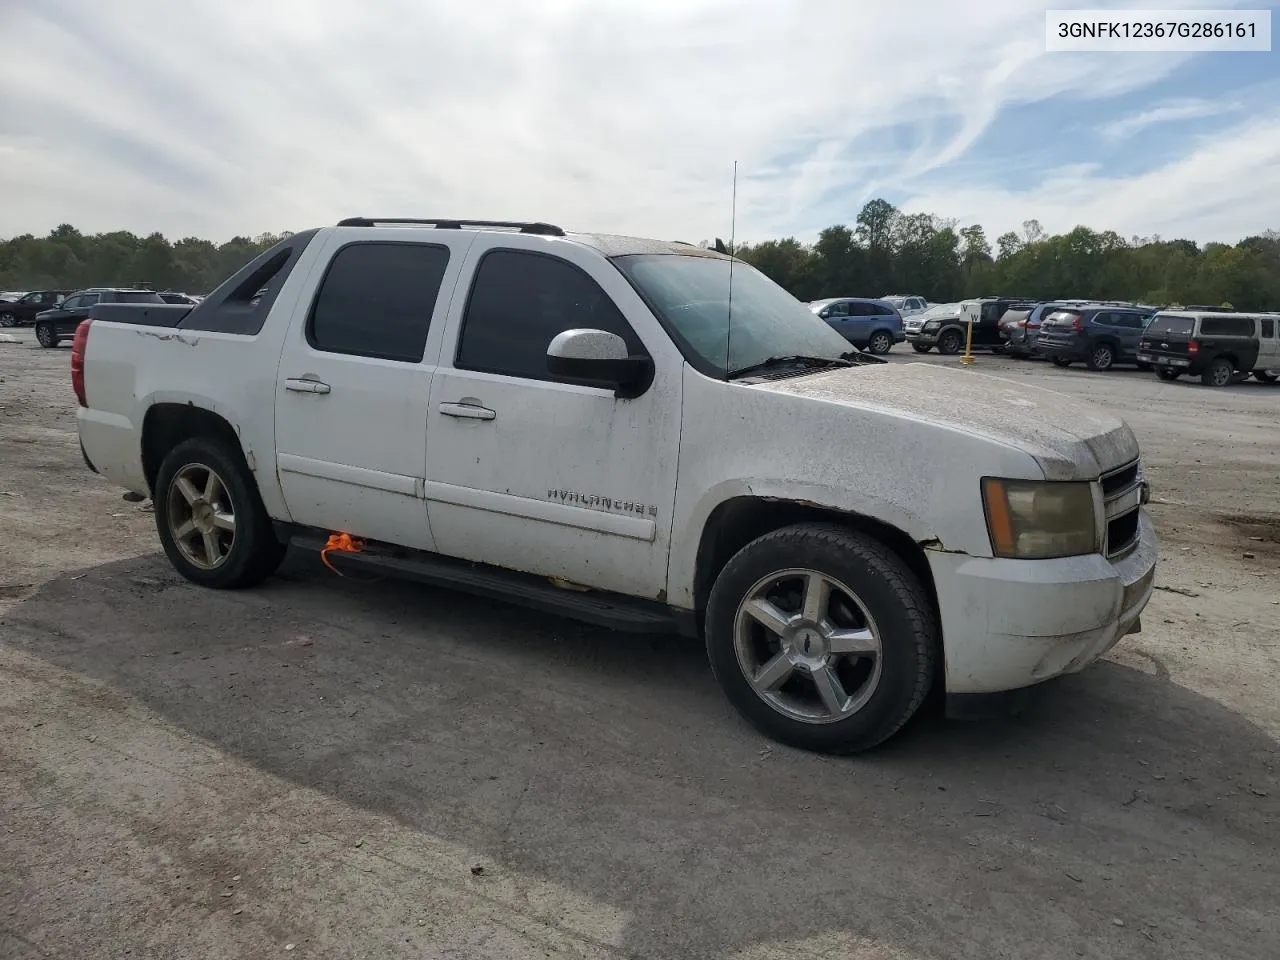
(933, 325)
(1039, 520)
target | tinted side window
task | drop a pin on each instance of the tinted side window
(1226, 327)
(1131, 320)
(1269, 329)
(71, 303)
(838, 310)
(519, 302)
(89, 299)
(376, 300)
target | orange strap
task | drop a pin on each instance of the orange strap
(341, 543)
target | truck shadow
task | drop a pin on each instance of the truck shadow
(610, 765)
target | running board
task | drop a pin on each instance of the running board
(613, 611)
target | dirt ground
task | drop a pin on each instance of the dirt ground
(328, 768)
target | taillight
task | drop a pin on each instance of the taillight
(1022, 323)
(77, 361)
(1193, 346)
(1077, 326)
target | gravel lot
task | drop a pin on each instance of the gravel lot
(351, 769)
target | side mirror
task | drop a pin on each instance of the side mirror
(600, 357)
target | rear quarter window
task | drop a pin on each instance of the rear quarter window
(1227, 327)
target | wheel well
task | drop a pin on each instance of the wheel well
(169, 424)
(735, 523)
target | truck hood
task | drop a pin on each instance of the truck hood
(1069, 439)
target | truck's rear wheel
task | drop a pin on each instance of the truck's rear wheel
(881, 342)
(7, 319)
(822, 638)
(211, 520)
(1164, 373)
(1218, 373)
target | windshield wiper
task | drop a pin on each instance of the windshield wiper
(793, 359)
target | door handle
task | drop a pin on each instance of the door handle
(468, 408)
(300, 385)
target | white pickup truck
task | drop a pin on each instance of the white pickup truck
(641, 434)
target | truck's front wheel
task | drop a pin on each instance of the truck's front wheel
(211, 520)
(822, 638)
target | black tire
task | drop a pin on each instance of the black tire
(1102, 357)
(1164, 373)
(1265, 376)
(881, 342)
(950, 342)
(46, 335)
(7, 319)
(1061, 362)
(891, 594)
(921, 347)
(254, 552)
(1219, 373)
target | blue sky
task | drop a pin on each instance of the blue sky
(247, 116)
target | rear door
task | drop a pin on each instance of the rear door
(1269, 345)
(1128, 331)
(354, 380)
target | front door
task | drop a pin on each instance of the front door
(353, 384)
(533, 473)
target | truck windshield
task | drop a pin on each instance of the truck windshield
(690, 294)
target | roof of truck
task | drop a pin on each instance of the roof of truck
(611, 245)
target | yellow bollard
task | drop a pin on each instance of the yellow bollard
(967, 359)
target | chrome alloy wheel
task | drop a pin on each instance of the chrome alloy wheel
(808, 646)
(201, 516)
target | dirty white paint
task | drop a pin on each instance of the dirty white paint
(571, 483)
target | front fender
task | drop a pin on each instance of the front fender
(682, 571)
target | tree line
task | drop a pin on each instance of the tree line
(885, 251)
(889, 251)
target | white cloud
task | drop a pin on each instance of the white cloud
(1221, 187)
(1171, 112)
(250, 115)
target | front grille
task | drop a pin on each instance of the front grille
(1121, 480)
(1122, 501)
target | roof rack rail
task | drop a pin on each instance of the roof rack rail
(541, 229)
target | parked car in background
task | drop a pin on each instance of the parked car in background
(871, 325)
(1213, 345)
(23, 311)
(908, 305)
(178, 299)
(914, 325)
(948, 334)
(54, 326)
(1099, 336)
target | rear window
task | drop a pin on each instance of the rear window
(1063, 316)
(1013, 316)
(136, 296)
(1162, 323)
(1226, 327)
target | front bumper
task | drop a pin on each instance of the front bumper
(924, 338)
(1008, 624)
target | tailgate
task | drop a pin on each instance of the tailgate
(1167, 338)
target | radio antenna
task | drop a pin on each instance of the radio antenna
(733, 231)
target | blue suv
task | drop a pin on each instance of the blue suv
(871, 325)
